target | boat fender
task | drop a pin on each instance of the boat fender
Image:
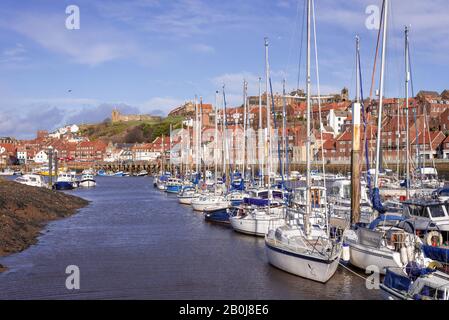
(410, 253)
(346, 252)
(434, 238)
(435, 265)
(404, 256)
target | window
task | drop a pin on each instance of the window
(432, 292)
(418, 211)
(437, 211)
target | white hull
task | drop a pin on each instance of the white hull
(203, 205)
(88, 184)
(362, 257)
(301, 265)
(255, 226)
(186, 200)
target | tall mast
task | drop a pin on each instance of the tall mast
(308, 143)
(227, 160)
(261, 144)
(202, 165)
(381, 93)
(284, 129)
(171, 150)
(398, 137)
(197, 151)
(267, 88)
(216, 139)
(355, 154)
(245, 86)
(407, 134)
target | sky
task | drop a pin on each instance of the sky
(149, 56)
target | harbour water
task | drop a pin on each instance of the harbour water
(135, 242)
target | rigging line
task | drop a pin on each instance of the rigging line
(368, 176)
(415, 109)
(276, 131)
(373, 75)
(318, 89)
(377, 51)
(301, 43)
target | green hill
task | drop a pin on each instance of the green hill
(131, 131)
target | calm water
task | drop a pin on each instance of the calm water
(134, 242)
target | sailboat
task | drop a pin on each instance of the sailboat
(255, 216)
(303, 247)
(388, 241)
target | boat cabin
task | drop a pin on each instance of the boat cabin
(427, 214)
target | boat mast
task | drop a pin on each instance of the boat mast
(308, 142)
(284, 130)
(355, 156)
(381, 93)
(216, 139)
(261, 144)
(398, 140)
(197, 155)
(407, 134)
(245, 87)
(267, 88)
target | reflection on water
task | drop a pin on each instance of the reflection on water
(135, 242)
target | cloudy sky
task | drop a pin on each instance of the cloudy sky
(151, 55)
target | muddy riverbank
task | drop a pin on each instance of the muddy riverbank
(25, 210)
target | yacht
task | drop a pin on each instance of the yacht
(389, 241)
(33, 180)
(87, 181)
(174, 185)
(415, 284)
(187, 195)
(204, 201)
(65, 181)
(256, 215)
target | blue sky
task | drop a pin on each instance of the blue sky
(152, 55)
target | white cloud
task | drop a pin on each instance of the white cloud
(90, 46)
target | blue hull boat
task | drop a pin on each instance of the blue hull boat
(217, 216)
(63, 185)
(173, 189)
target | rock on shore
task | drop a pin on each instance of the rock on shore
(25, 210)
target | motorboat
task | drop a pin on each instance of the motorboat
(415, 283)
(87, 181)
(65, 181)
(389, 241)
(33, 180)
(174, 185)
(430, 219)
(7, 172)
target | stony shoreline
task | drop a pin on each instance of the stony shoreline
(24, 212)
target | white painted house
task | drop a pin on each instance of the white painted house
(336, 119)
(41, 157)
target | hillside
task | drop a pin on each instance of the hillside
(131, 131)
